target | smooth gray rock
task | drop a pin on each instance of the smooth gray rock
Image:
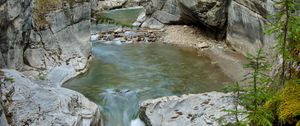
(246, 25)
(188, 110)
(55, 53)
(44, 105)
(3, 121)
(211, 13)
(152, 23)
(15, 24)
(108, 4)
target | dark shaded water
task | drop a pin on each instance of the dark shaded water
(121, 76)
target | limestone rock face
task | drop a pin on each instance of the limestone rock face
(211, 13)
(48, 41)
(64, 42)
(15, 25)
(44, 105)
(188, 110)
(3, 121)
(246, 24)
(44, 39)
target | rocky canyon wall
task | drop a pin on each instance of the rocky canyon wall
(247, 23)
(15, 25)
(240, 22)
(42, 34)
(48, 41)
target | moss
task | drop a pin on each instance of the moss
(289, 108)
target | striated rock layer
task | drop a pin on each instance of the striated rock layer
(38, 104)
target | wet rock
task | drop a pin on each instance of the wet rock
(187, 110)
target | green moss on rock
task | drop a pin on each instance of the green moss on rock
(289, 108)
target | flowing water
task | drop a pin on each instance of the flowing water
(121, 76)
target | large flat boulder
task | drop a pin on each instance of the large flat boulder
(188, 110)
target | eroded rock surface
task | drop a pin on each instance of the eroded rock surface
(246, 25)
(188, 110)
(43, 105)
(48, 41)
(160, 12)
(15, 25)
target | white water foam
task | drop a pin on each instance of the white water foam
(94, 37)
(137, 122)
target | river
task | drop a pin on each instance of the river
(121, 76)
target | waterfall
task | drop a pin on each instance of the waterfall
(121, 108)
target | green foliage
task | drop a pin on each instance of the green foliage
(254, 92)
(289, 108)
(124, 17)
(287, 29)
(236, 90)
(285, 106)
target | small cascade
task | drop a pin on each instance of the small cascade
(121, 108)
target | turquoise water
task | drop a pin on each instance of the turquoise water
(124, 16)
(120, 76)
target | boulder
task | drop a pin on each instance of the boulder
(43, 105)
(211, 13)
(188, 110)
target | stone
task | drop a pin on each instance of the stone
(202, 45)
(35, 57)
(188, 110)
(152, 23)
(15, 24)
(108, 4)
(58, 53)
(246, 24)
(37, 104)
(3, 121)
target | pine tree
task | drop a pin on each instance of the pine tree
(287, 28)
